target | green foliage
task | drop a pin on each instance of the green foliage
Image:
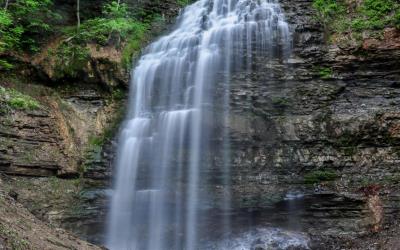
(118, 95)
(319, 176)
(114, 10)
(5, 65)
(340, 17)
(70, 59)
(115, 26)
(131, 48)
(9, 36)
(22, 102)
(25, 23)
(16, 100)
(327, 9)
(183, 3)
(5, 19)
(103, 30)
(375, 14)
(325, 73)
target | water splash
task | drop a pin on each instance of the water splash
(262, 238)
(179, 92)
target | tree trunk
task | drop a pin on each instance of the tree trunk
(78, 17)
(6, 5)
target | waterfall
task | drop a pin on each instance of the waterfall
(178, 123)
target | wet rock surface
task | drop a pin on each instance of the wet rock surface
(308, 135)
(326, 111)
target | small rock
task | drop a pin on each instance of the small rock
(295, 61)
(13, 194)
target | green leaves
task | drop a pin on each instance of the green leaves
(99, 30)
(10, 37)
(70, 59)
(325, 73)
(16, 100)
(116, 21)
(24, 24)
(34, 16)
(343, 17)
(5, 19)
(327, 8)
(376, 14)
(115, 10)
(183, 3)
(7, 36)
(4, 65)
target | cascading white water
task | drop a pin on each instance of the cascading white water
(175, 111)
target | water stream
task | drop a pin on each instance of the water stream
(177, 122)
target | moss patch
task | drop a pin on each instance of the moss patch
(319, 176)
(325, 73)
(16, 100)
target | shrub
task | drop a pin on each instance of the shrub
(374, 14)
(70, 59)
(17, 100)
(23, 25)
(327, 9)
(30, 23)
(116, 27)
(370, 15)
(115, 22)
(22, 102)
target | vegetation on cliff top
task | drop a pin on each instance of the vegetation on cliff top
(23, 26)
(27, 25)
(348, 17)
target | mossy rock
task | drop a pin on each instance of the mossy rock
(319, 176)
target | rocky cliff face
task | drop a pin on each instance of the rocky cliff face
(57, 158)
(51, 140)
(315, 139)
(323, 124)
(53, 154)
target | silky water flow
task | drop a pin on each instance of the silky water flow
(178, 119)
